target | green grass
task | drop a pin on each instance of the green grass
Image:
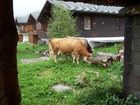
(109, 48)
(102, 86)
(27, 50)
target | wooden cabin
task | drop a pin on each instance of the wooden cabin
(26, 27)
(25, 24)
(10, 90)
(39, 27)
(131, 73)
(30, 29)
(92, 20)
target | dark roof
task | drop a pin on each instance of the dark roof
(110, 2)
(85, 7)
(35, 15)
(22, 19)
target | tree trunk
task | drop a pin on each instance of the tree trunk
(9, 88)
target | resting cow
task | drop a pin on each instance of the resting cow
(75, 47)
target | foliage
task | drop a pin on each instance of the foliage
(108, 48)
(104, 85)
(62, 23)
(115, 100)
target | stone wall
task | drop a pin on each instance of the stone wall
(132, 56)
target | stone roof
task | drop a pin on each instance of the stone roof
(85, 7)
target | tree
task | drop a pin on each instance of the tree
(62, 23)
(9, 88)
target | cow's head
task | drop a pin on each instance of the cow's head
(88, 58)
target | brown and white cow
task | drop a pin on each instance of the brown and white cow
(84, 41)
(75, 47)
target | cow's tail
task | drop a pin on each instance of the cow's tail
(50, 48)
(49, 44)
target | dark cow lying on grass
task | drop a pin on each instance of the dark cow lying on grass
(75, 47)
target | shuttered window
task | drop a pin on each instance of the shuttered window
(87, 23)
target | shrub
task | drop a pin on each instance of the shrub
(115, 100)
(62, 23)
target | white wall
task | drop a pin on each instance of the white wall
(25, 37)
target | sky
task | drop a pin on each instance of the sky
(25, 7)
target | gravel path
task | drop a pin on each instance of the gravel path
(34, 60)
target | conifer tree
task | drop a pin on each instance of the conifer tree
(62, 23)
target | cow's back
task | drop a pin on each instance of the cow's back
(84, 41)
(67, 45)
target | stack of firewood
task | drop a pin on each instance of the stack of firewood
(121, 54)
(106, 59)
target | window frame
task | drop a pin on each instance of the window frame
(87, 23)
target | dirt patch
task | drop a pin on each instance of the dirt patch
(33, 60)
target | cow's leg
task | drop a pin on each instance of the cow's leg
(51, 52)
(53, 56)
(77, 59)
(85, 59)
(56, 53)
(73, 57)
(59, 52)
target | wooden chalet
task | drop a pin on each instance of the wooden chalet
(25, 24)
(30, 29)
(40, 27)
(26, 27)
(10, 89)
(131, 74)
(92, 20)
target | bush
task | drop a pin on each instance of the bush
(115, 100)
(62, 23)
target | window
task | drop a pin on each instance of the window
(87, 23)
(38, 26)
(118, 24)
(21, 28)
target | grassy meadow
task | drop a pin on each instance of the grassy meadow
(99, 86)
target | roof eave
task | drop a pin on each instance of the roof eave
(109, 2)
(103, 13)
